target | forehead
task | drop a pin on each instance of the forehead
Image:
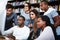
(39, 19)
(20, 18)
(41, 3)
(9, 9)
(25, 4)
(31, 12)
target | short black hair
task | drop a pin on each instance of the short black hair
(46, 2)
(9, 6)
(22, 17)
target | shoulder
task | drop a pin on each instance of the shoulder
(48, 29)
(26, 27)
(14, 27)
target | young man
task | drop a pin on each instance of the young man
(10, 17)
(21, 32)
(52, 14)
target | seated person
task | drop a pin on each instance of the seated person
(20, 32)
(11, 17)
(46, 33)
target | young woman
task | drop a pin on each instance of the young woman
(43, 22)
(25, 13)
(33, 16)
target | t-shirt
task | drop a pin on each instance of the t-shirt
(51, 13)
(19, 33)
(46, 34)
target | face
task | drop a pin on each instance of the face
(32, 15)
(9, 11)
(43, 6)
(20, 21)
(26, 8)
(40, 23)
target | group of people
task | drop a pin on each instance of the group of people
(30, 25)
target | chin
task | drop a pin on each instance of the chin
(38, 27)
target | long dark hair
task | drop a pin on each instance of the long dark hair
(46, 18)
(37, 15)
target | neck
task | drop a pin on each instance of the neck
(27, 11)
(43, 27)
(21, 25)
(46, 9)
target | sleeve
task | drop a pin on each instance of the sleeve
(15, 19)
(9, 31)
(54, 13)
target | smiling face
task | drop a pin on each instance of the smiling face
(32, 15)
(40, 23)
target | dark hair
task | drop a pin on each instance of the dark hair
(28, 5)
(46, 18)
(9, 6)
(45, 2)
(35, 12)
(22, 17)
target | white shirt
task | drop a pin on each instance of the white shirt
(19, 33)
(51, 13)
(46, 34)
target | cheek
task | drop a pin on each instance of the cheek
(26, 8)
(39, 25)
(32, 16)
(9, 12)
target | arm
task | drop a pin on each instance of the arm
(9, 31)
(15, 19)
(55, 18)
(56, 21)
